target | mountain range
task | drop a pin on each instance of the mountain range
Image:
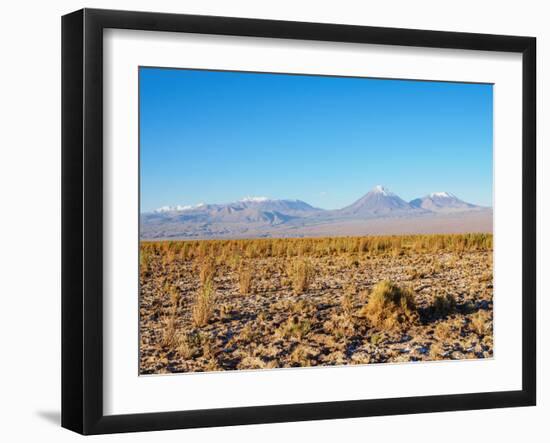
(263, 217)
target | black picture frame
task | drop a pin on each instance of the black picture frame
(82, 218)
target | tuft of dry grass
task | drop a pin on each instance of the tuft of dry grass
(390, 307)
(169, 331)
(145, 260)
(301, 307)
(339, 326)
(245, 280)
(443, 331)
(481, 323)
(437, 351)
(347, 300)
(443, 305)
(302, 356)
(294, 327)
(208, 270)
(203, 304)
(188, 346)
(301, 275)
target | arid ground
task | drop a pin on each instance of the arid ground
(211, 305)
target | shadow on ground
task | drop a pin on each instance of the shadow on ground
(53, 417)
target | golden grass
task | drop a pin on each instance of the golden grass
(203, 304)
(245, 280)
(481, 323)
(392, 245)
(207, 270)
(313, 301)
(295, 327)
(301, 272)
(390, 306)
(169, 332)
(348, 300)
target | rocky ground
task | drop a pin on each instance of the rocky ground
(272, 326)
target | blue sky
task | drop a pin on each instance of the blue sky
(216, 137)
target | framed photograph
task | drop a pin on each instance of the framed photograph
(269, 221)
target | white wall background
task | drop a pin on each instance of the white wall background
(30, 217)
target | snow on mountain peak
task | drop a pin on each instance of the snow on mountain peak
(442, 195)
(379, 189)
(176, 208)
(249, 199)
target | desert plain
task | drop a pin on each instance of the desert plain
(215, 305)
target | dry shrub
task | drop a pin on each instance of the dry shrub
(204, 304)
(339, 326)
(443, 331)
(188, 346)
(301, 275)
(481, 323)
(245, 280)
(169, 331)
(302, 356)
(486, 277)
(226, 310)
(413, 273)
(208, 270)
(294, 327)
(209, 348)
(390, 306)
(301, 307)
(443, 305)
(234, 261)
(376, 339)
(252, 362)
(212, 365)
(248, 333)
(145, 260)
(173, 294)
(437, 351)
(347, 300)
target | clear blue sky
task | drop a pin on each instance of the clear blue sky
(216, 137)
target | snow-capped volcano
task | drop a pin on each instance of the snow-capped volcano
(442, 202)
(377, 202)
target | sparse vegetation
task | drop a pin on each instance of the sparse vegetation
(295, 327)
(348, 300)
(204, 304)
(481, 323)
(302, 275)
(390, 306)
(169, 331)
(443, 305)
(270, 303)
(208, 269)
(245, 280)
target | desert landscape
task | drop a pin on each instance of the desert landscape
(243, 304)
(268, 238)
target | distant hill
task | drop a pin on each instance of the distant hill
(442, 202)
(263, 217)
